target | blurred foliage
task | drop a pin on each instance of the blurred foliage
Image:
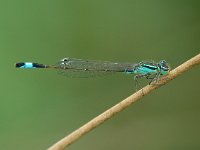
(39, 107)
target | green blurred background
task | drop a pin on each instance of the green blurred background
(39, 107)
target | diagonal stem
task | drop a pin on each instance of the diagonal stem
(66, 141)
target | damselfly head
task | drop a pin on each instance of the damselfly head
(163, 65)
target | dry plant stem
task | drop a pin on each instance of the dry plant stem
(66, 141)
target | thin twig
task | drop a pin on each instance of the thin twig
(66, 141)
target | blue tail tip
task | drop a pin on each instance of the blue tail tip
(19, 65)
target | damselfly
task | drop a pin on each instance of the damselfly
(87, 68)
